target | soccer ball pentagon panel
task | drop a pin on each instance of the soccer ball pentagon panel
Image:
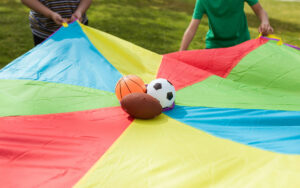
(163, 91)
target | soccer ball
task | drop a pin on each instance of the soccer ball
(163, 91)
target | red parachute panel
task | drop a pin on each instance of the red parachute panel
(56, 150)
(188, 67)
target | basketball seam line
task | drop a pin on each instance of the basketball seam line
(120, 89)
(136, 83)
(127, 86)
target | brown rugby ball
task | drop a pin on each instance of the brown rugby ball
(141, 105)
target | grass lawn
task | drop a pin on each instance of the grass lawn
(157, 25)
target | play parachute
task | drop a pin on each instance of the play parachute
(236, 122)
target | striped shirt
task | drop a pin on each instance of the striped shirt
(42, 26)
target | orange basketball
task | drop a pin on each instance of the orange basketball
(129, 84)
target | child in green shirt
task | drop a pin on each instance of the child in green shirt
(227, 22)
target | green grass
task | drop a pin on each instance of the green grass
(157, 25)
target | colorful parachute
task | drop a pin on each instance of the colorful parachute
(236, 122)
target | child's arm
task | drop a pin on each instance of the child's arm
(189, 34)
(42, 9)
(265, 27)
(81, 9)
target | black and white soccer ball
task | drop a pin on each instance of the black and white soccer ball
(163, 91)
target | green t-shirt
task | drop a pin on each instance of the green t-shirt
(227, 21)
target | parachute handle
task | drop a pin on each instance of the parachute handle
(273, 37)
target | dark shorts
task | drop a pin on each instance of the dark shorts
(37, 40)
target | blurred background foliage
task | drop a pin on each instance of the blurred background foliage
(157, 25)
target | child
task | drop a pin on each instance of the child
(227, 22)
(46, 16)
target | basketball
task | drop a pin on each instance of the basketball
(129, 84)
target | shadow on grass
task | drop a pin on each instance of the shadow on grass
(157, 25)
(278, 25)
(175, 5)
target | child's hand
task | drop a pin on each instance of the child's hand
(76, 15)
(57, 18)
(265, 29)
